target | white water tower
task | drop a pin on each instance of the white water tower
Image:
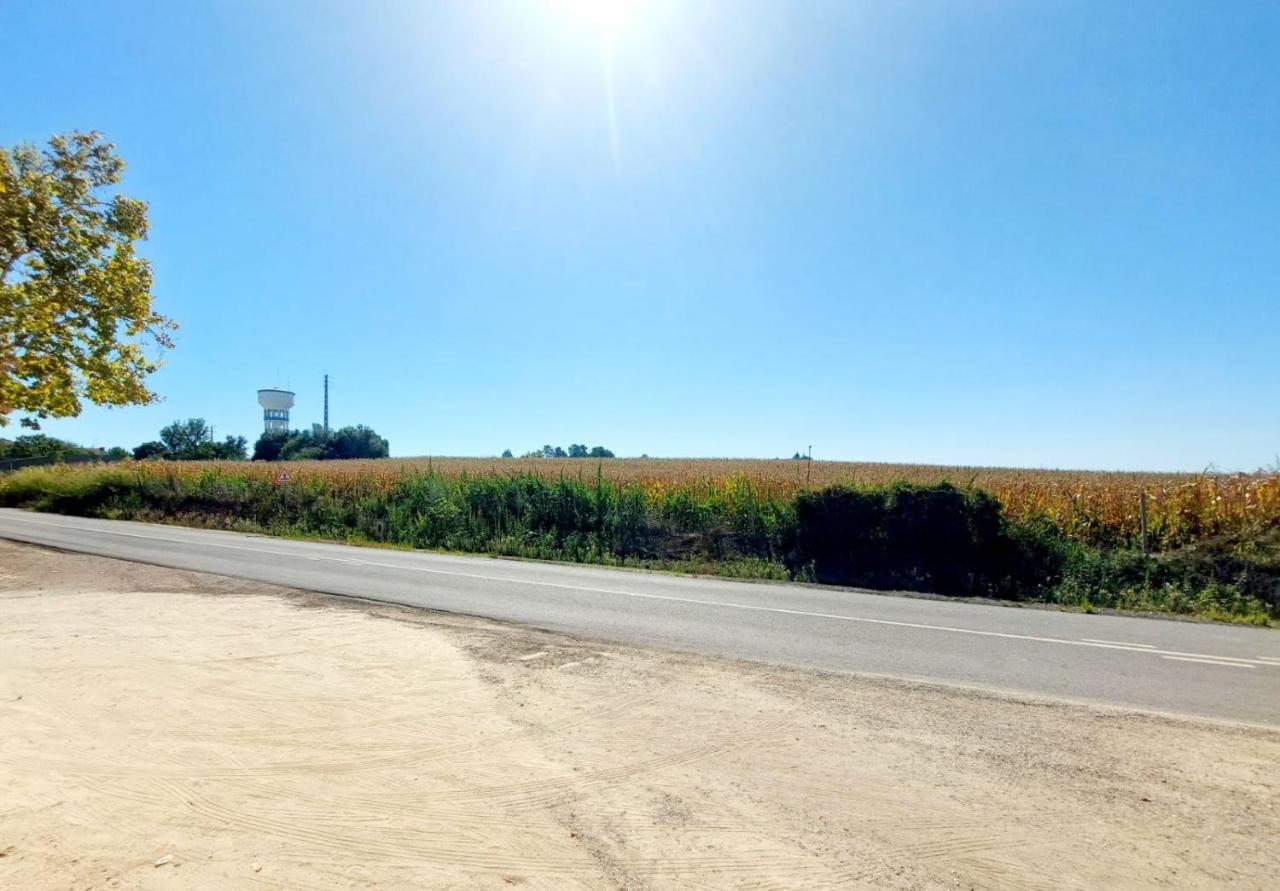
(275, 409)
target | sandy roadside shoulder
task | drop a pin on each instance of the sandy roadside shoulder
(161, 728)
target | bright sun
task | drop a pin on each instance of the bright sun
(607, 19)
(603, 24)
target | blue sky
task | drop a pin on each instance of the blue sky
(1038, 234)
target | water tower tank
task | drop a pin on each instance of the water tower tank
(275, 409)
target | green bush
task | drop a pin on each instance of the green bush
(1213, 578)
(922, 538)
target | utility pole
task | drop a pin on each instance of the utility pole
(808, 471)
(326, 403)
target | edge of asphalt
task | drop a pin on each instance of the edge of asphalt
(902, 594)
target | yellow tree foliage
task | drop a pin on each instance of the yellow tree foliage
(75, 299)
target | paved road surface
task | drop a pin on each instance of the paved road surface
(1211, 671)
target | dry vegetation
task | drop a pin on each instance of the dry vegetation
(1071, 537)
(1093, 506)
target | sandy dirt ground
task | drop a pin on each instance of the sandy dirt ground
(163, 729)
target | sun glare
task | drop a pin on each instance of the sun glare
(606, 19)
(602, 23)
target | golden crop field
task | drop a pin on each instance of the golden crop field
(1073, 537)
(1090, 505)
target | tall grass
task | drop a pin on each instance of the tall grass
(1215, 541)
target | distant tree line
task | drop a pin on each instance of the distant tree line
(318, 444)
(189, 440)
(192, 440)
(39, 445)
(575, 450)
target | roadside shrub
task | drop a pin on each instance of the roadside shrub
(1214, 578)
(924, 538)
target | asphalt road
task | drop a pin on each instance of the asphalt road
(1212, 671)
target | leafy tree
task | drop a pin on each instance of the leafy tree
(75, 299)
(356, 442)
(317, 444)
(150, 449)
(183, 439)
(304, 445)
(576, 450)
(233, 448)
(192, 440)
(39, 445)
(269, 444)
(506, 453)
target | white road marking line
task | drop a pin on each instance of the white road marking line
(1119, 643)
(1233, 660)
(1271, 659)
(1207, 661)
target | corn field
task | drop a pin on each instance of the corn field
(1212, 542)
(1098, 508)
